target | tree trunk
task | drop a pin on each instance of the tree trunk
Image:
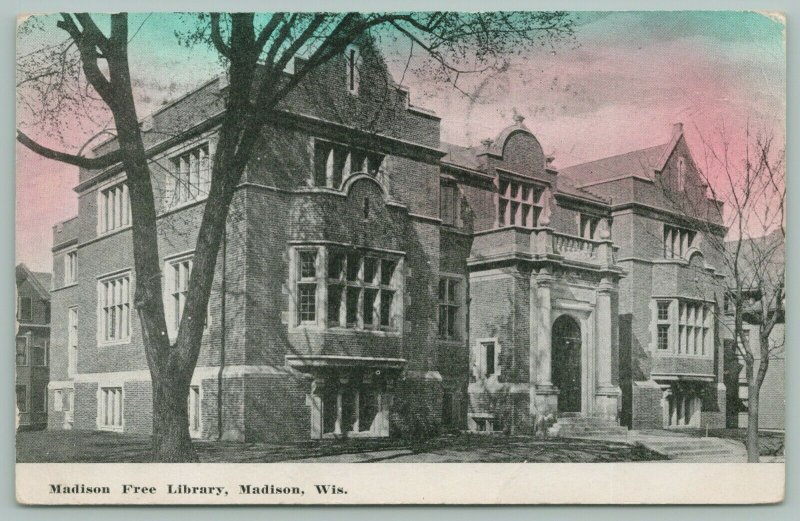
(171, 440)
(753, 389)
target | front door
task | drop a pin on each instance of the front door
(566, 360)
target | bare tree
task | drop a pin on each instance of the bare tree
(255, 51)
(744, 178)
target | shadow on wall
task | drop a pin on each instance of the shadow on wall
(625, 369)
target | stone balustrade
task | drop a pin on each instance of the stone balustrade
(540, 242)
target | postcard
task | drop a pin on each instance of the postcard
(499, 257)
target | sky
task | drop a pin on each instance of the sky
(619, 86)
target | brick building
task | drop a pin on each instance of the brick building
(32, 345)
(376, 281)
(769, 250)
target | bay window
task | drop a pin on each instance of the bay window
(360, 285)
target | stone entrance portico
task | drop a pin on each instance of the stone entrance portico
(590, 310)
(552, 311)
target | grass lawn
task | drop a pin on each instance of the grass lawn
(770, 443)
(107, 447)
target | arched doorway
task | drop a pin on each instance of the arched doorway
(566, 370)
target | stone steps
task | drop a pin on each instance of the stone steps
(697, 449)
(579, 426)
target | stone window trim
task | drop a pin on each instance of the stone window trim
(70, 267)
(111, 408)
(678, 243)
(187, 178)
(322, 284)
(691, 325)
(175, 291)
(333, 162)
(113, 207)
(126, 307)
(195, 410)
(458, 302)
(483, 363)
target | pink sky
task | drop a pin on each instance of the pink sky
(628, 79)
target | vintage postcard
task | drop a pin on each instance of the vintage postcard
(257, 249)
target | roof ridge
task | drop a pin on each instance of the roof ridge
(638, 150)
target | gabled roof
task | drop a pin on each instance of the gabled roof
(39, 280)
(642, 163)
(639, 163)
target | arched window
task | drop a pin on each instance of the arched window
(681, 174)
(353, 60)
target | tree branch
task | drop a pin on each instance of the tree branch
(91, 163)
(216, 37)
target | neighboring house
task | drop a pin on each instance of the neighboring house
(379, 281)
(772, 404)
(32, 346)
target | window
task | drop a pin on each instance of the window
(72, 342)
(677, 242)
(663, 310)
(681, 174)
(71, 267)
(58, 400)
(361, 290)
(111, 408)
(307, 287)
(114, 209)
(587, 227)
(22, 350)
(488, 355)
(449, 306)
(333, 163)
(350, 409)
(39, 353)
(114, 309)
(22, 398)
(449, 207)
(663, 324)
(178, 272)
(695, 321)
(353, 60)
(190, 178)
(194, 410)
(663, 336)
(25, 310)
(518, 204)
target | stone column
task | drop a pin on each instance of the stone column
(606, 394)
(543, 348)
(603, 341)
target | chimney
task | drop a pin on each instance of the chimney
(677, 129)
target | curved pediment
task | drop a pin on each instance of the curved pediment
(519, 149)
